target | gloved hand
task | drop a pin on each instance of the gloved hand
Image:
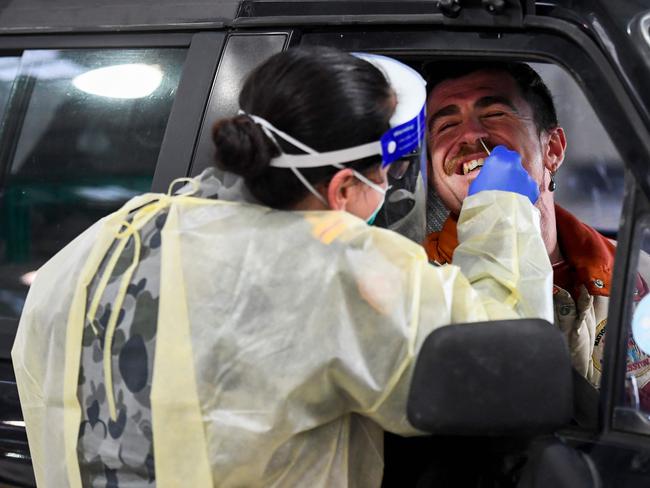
(502, 170)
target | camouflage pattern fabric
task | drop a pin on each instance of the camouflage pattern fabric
(120, 453)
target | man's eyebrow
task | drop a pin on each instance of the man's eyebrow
(443, 112)
(495, 100)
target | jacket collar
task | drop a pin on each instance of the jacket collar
(589, 253)
(440, 246)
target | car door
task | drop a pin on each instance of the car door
(88, 121)
(598, 45)
(618, 452)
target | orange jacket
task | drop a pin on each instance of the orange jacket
(589, 253)
(581, 319)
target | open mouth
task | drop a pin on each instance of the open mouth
(469, 166)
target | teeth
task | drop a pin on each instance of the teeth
(472, 165)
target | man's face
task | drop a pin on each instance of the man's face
(481, 105)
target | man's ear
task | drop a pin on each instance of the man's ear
(554, 149)
(339, 191)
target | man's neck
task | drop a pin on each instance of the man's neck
(546, 207)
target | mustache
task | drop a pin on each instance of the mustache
(451, 163)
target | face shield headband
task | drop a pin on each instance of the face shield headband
(404, 139)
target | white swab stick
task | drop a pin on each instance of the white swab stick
(484, 146)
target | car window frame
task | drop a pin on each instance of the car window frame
(223, 90)
(572, 50)
(174, 158)
(636, 208)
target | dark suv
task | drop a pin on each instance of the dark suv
(101, 101)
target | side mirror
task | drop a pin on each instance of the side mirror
(497, 378)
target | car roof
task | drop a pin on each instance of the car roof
(35, 16)
(620, 29)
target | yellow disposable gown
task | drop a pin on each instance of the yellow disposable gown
(285, 340)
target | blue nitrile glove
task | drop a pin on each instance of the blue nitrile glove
(502, 170)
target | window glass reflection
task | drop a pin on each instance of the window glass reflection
(638, 353)
(81, 137)
(590, 181)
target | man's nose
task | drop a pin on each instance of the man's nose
(472, 130)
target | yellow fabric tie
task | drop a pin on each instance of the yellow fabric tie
(128, 230)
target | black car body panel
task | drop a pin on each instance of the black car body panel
(613, 37)
(75, 16)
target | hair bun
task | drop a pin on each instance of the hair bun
(242, 147)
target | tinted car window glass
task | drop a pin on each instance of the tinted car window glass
(9, 66)
(590, 181)
(81, 137)
(241, 54)
(638, 347)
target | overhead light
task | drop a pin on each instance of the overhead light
(120, 81)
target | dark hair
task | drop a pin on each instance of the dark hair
(531, 86)
(322, 97)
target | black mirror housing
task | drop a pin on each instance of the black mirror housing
(497, 378)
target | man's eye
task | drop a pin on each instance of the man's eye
(494, 114)
(446, 126)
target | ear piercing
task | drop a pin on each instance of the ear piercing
(552, 185)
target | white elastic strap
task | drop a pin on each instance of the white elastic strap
(371, 184)
(313, 159)
(263, 123)
(269, 127)
(374, 186)
(331, 158)
(309, 186)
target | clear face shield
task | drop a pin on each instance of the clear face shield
(404, 210)
(402, 149)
